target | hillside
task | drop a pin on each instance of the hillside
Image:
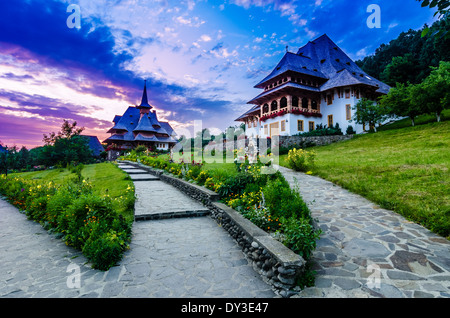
(405, 170)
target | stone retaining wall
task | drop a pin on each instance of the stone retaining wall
(287, 141)
(275, 262)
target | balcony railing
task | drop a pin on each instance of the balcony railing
(307, 112)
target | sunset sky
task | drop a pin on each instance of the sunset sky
(201, 59)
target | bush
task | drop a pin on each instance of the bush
(282, 201)
(301, 160)
(105, 250)
(299, 235)
(350, 130)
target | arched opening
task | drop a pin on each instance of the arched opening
(265, 108)
(274, 105)
(283, 102)
(314, 104)
(294, 101)
(304, 102)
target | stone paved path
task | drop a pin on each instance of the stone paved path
(367, 251)
(188, 257)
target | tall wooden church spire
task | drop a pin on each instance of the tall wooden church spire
(144, 101)
(144, 106)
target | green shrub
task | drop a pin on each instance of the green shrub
(104, 250)
(301, 160)
(235, 184)
(299, 235)
(282, 201)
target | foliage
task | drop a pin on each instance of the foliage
(350, 130)
(425, 51)
(321, 130)
(300, 235)
(443, 7)
(402, 69)
(301, 160)
(397, 103)
(430, 96)
(368, 112)
(435, 90)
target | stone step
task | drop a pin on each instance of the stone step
(135, 171)
(172, 215)
(143, 177)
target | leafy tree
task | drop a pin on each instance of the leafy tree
(434, 92)
(66, 146)
(424, 51)
(402, 69)
(398, 103)
(67, 131)
(367, 111)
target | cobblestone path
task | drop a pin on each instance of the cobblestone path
(367, 251)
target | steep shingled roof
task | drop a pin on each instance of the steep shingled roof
(323, 59)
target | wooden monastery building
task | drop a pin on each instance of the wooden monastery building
(139, 125)
(317, 85)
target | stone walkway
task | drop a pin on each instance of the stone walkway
(367, 251)
(177, 258)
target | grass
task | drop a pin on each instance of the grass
(405, 170)
(105, 178)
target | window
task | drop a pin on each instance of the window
(348, 112)
(283, 125)
(294, 101)
(265, 108)
(249, 124)
(266, 130)
(330, 120)
(300, 125)
(283, 102)
(274, 105)
(329, 99)
(314, 104)
(311, 126)
(347, 93)
(304, 102)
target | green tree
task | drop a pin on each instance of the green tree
(402, 69)
(434, 92)
(398, 103)
(66, 146)
(67, 131)
(367, 112)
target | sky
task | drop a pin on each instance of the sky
(201, 59)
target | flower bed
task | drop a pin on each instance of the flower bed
(86, 221)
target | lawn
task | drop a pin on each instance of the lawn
(105, 178)
(405, 170)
